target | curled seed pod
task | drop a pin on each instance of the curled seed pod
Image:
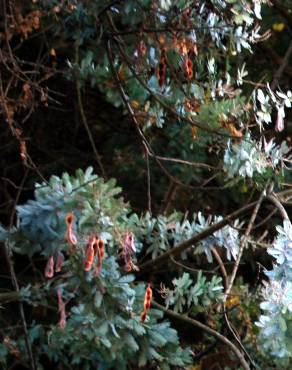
(49, 270)
(62, 321)
(70, 236)
(188, 67)
(89, 259)
(129, 243)
(69, 218)
(61, 309)
(100, 249)
(89, 254)
(189, 64)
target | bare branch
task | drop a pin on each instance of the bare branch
(243, 244)
(206, 329)
(279, 206)
(196, 238)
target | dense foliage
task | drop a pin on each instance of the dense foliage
(172, 99)
(105, 307)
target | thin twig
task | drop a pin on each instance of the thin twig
(168, 198)
(178, 249)
(266, 219)
(9, 297)
(279, 206)
(85, 124)
(243, 244)
(236, 337)
(187, 163)
(221, 265)
(163, 30)
(148, 184)
(144, 141)
(282, 67)
(129, 63)
(187, 268)
(7, 250)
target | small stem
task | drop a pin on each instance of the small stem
(279, 206)
(243, 244)
(221, 265)
(84, 121)
(282, 67)
(7, 251)
(168, 198)
(188, 268)
(9, 297)
(148, 184)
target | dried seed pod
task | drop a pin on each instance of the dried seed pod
(100, 245)
(61, 309)
(194, 132)
(49, 270)
(143, 316)
(147, 298)
(147, 302)
(188, 67)
(70, 236)
(95, 246)
(89, 253)
(181, 45)
(100, 249)
(128, 250)
(69, 218)
(129, 243)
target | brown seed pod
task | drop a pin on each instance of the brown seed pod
(188, 67)
(89, 254)
(147, 298)
(143, 316)
(49, 270)
(69, 218)
(99, 247)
